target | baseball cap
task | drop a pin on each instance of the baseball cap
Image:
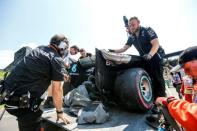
(187, 55)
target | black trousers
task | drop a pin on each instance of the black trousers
(27, 119)
(178, 88)
(155, 69)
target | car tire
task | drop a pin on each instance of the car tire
(133, 89)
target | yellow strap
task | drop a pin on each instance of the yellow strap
(188, 91)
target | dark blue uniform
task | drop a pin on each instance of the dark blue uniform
(33, 75)
(155, 68)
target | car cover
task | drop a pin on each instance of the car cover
(116, 57)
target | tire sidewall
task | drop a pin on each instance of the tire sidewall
(127, 89)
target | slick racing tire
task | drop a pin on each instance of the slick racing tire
(133, 89)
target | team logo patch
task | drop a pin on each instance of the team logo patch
(151, 32)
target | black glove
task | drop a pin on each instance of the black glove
(110, 50)
(147, 56)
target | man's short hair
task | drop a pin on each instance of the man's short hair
(188, 55)
(82, 50)
(134, 18)
(75, 48)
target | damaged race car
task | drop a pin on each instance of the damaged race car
(125, 78)
(120, 78)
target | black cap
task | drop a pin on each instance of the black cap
(188, 55)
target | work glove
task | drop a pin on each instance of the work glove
(147, 56)
(163, 101)
(110, 50)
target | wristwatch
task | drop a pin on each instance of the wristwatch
(59, 112)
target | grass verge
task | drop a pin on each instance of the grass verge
(1, 74)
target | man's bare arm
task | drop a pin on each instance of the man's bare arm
(155, 46)
(123, 49)
(57, 93)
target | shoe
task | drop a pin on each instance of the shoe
(152, 121)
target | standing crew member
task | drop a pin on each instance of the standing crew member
(31, 78)
(146, 42)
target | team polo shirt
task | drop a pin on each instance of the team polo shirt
(35, 72)
(142, 42)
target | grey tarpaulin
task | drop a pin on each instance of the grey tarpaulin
(86, 110)
(76, 99)
(93, 113)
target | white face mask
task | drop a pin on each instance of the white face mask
(63, 46)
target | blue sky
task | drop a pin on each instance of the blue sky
(93, 23)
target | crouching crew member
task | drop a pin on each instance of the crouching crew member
(184, 112)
